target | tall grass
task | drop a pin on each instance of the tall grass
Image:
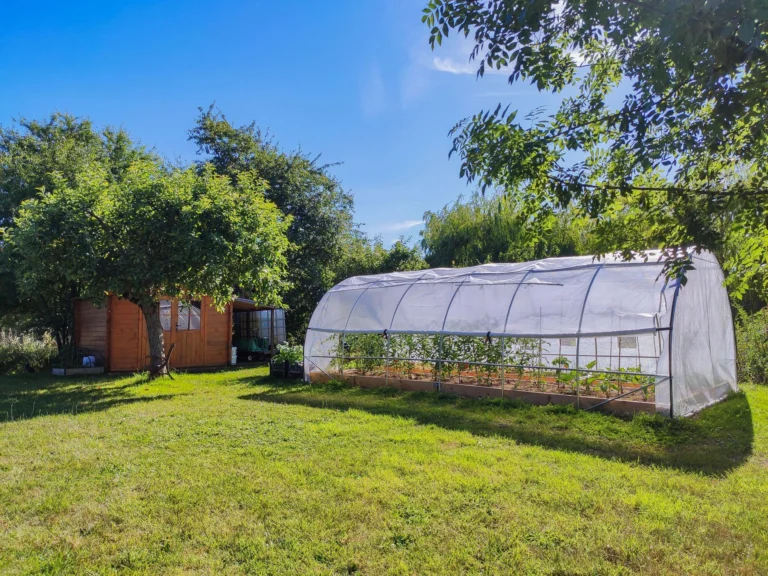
(24, 352)
(752, 346)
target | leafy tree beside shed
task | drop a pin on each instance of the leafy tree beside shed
(158, 232)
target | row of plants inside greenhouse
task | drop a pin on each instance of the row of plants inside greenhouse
(531, 364)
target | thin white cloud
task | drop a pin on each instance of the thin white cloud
(398, 226)
(452, 67)
(453, 57)
(373, 96)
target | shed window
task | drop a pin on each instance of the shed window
(165, 314)
(280, 335)
(189, 316)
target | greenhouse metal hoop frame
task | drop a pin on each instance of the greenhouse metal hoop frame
(578, 335)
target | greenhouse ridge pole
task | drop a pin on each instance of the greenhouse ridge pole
(442, 279)
(527, 366)
(633, 332)
(578, 337)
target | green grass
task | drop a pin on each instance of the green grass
(233, 473)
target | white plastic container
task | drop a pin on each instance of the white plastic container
(233, 360)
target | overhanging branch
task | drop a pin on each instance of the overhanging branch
(626, 187)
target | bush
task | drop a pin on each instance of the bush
(22, 352)
(752, 346)
(293, 354)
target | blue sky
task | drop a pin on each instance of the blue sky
(355, 81)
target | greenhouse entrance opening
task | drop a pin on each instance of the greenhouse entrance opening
(572, 330)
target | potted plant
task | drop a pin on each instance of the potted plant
(288, 362)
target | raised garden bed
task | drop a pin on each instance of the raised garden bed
(529, 381)
(286, 370)
(622, 406)
(77, 371)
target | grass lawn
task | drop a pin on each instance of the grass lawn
(234, 473)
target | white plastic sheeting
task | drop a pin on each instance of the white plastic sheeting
(555, 298)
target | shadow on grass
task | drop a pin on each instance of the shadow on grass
(31, 396)
(714, 442)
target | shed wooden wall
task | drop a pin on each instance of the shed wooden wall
(91, 329)
(122, 334)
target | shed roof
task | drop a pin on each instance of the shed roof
(247, 304)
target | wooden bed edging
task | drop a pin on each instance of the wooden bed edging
(473, 391)
(77, 371)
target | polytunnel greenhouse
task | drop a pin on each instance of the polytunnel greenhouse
(569, 330)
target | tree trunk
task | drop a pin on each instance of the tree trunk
(151, 312)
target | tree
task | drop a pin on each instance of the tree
(320, 211)
(34, 154)
(649, 218)
(496, 229)
(362, 255)
(155, 232)
(694, 113)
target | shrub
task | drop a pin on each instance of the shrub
(293, 354)
(21, 352)
(752, 346)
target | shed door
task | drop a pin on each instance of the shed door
(126, 329)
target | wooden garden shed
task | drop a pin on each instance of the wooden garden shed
(115, 333)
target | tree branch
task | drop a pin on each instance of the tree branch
(645, 6)
(101, 222)
(679, 189)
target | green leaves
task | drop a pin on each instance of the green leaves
(693, 116)
(300, 187)
(499, 228)
(287, 353)
(156, 232)
(36, 157)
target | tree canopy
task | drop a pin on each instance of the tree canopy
(326, 245)
(53, 160)
(320, 210)
(494, 229)
(34, 154)
(154, 232)
(688, 137)
(362, 255)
